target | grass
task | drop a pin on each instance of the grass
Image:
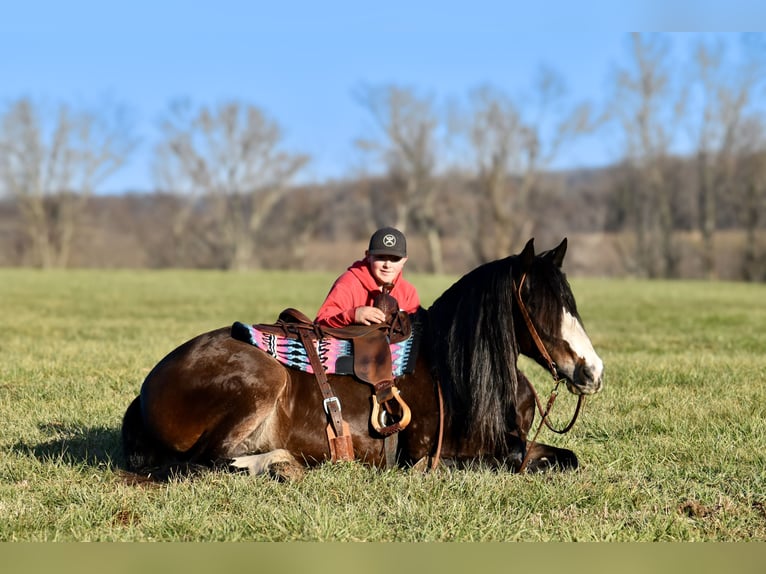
(674, 449)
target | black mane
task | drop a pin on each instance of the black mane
(473, 342)
(475, 350)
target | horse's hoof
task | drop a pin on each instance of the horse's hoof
(278, 464)
(286, 472)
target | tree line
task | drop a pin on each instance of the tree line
(467, 182)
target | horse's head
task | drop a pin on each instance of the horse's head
(551, 321)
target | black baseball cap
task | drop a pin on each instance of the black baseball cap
(388, 241)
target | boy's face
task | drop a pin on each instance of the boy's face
(385, 268)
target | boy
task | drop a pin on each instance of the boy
(350, 298)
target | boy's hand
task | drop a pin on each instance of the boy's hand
(366, 315)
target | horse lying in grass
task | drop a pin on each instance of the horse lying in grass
(217, 400)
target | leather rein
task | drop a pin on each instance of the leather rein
(554, 373)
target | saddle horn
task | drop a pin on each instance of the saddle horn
(386, 302)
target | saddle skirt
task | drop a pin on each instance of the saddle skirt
(336, 355)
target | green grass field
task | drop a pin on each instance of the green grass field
(674, 449)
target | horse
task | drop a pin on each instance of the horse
(218, 402)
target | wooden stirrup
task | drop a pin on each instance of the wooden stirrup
(401, 424)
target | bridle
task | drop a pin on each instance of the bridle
(554, 373)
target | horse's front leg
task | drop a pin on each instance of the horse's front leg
(525, 415)
(543, 457)
(539, 457)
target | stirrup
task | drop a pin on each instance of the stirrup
(386, 430)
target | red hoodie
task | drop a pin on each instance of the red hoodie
(354, 289)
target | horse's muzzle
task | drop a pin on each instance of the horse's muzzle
(587, 379)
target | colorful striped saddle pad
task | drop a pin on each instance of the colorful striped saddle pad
(336, 355)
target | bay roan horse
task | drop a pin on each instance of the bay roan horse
(220, 402)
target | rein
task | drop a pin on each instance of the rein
(554, 373)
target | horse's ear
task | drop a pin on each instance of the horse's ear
(557, 254)
(528, 254)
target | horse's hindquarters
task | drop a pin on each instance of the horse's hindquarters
(215, 399)
(207, 398)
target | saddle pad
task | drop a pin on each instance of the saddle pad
(336, 355)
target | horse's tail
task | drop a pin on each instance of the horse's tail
(137, 447)
(146, 458)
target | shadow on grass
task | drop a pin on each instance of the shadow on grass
(76, 446)
(98, 447)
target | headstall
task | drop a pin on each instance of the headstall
(554, 373)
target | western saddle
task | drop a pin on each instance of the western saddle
(372, 365)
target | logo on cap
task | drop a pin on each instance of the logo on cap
(389, 240)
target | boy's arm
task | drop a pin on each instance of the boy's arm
(338, 308)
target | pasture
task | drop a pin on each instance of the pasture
(673, 449)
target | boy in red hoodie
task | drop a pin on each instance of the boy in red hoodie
(350, 298)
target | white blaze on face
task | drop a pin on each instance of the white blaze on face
(574, 334)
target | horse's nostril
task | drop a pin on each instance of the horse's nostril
(587, 379)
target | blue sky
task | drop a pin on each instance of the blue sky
(300, 61)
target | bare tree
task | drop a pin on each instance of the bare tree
(229, 159)
(749, 191)
(50, 167)
(649, 112)
(511, 147)
(726, 96)
(408, 149)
